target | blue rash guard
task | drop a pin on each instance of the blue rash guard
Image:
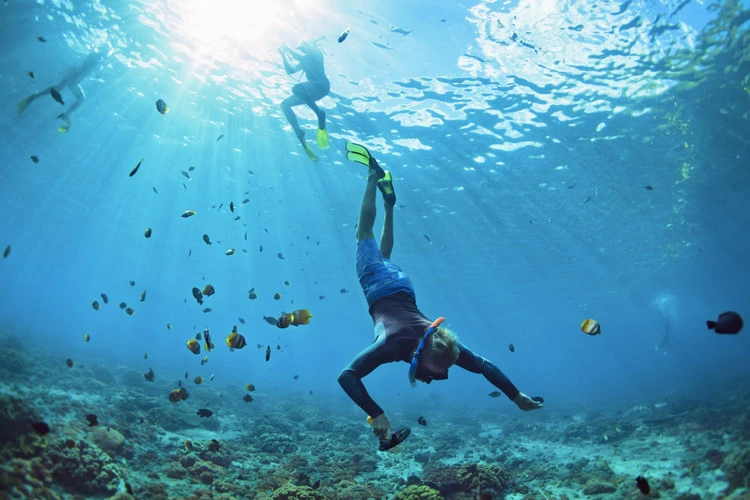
(404, 327)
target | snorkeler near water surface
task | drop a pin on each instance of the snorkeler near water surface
(402, 332)
(72, 81)
(307, 58)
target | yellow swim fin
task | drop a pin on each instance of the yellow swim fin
(22, 105)
(66, 125)
(310, 153)
(322, 138)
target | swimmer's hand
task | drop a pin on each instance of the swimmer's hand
(381, 427)
(526, 403)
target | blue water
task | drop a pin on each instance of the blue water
(522, 137)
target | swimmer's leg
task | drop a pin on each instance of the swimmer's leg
(367, 211)
(386, 239)
(286, 106)
(24, 103)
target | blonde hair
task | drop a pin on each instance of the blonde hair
(442, 348)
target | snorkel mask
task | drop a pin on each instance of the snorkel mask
(415, 360)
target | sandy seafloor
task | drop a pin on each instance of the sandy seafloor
(287, 446)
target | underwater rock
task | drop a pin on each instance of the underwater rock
(18, 438)
(598, 488)
(84, 469)
(27, 479)
(292, 491)
(108, 440)
(486, 476)
(422, 492)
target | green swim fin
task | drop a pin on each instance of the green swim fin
(322, 139)
(360, 154)
(309, 153)
(386, 187)
(22, 105)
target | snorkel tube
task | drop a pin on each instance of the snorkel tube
(415, 360)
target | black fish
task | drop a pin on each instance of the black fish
(261, 248)
(35, 159)
(31, 74)
(316, 484)
(198, 295)
(649, 187)
(268, 353)
(204, 413)
(56, 96)
(105, 298)
(295, 377)
(427, 238)
(150, 375)
(132, 172)
(6, 252)
(247, 398)
(343, 35)
(132, 283)
(495, 394)
(231, 206)
(93, 421)
(123, 305)
(728, 322)
(241, 320)
(185, 174)
(207, 310)
(280, 255)
(400, 31)
(155, 191)
(206, 239)
(247, 201)
(422, 421)
(41, 428)
(41, 39)
(219, 138)
(321, 297)
(191, 168)
(511, 348)
(245, 235)
(344, 290)
(270, 320)
(198, 336)
(162, 107)
(643, 485)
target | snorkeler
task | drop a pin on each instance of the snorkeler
(663, 342)
(309, 59)
(402, 332)
(72, 81)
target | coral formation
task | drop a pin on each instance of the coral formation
(422, 492)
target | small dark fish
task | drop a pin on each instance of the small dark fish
(40, 428)
(204, 413)
(95, 305)
(198, 336)
(162, 107)
(186, 373)
(321, 297)
(571, 186)
(105, 298)
(150, 375)
(247, 398)
(728, 323)
(154, 188)
(130, 311)
(643, 485)
(208, 290)
(207, 239)
(92, 420)
(213, 446)
(280, 255)
(123, 305)
(35, 159)
(427, 238)
(129, 489)
(316, 484)
(246, 201)
(268, 353)
(495, 394)
(185, 174)
(343, 35)
(132, 283)
(245, 235)
(261, 248)
(31, 74)
(238, 217)
(295, 377)
(191, 168)
(145, 355)
(310, 392)
(511, 348)
(422, 421)
(380, 45)
(143, 296)
(270, 320)
(198, 295)
(70, 363)
(277, 296)
(648, 187)
(344, 290)
(588, 199)
(190, 252)
(184, 187)
(278, 347)
(6, 252)
(132, 172)
(56, 96)
(219, 138)
(231, 206)
(41, 39)
(241, 320)
(207, 310)
(147, 232)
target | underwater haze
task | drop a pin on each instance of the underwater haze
(553, 160)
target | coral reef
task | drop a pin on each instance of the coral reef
(415, 492)
(26, 479)
(83, 468)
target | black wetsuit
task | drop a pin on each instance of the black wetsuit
(404, 327)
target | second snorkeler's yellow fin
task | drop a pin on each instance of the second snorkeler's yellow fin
(322, 139)
(22, 105)
(66, 125)
(357, 152)
(310, 153)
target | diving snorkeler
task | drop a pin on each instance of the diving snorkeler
(72, 81)
(309, 59)
(402, 332)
